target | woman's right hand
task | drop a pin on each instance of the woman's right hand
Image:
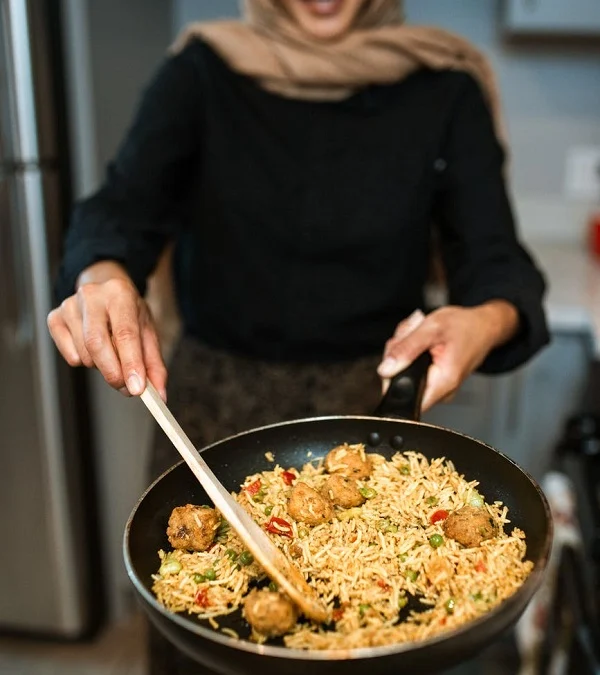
(107, 325)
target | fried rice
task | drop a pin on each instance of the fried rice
(373, 565)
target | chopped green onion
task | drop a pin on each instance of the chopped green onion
(273, 587)
(402, 557)
(367, 492)
(210, 574)
(170, 566)
(412, 575)
(476, 597)
(302, 532)
(450, 604)
(268, 510)
(392, 528)
(372, 543)
(259, 496)
(476, 500)
(436, 540)
(405, 470)
(246, 558)
(431, 501)
(199, 578)
(402, 601)
(383, 525)
(363, 608)
(223, 528)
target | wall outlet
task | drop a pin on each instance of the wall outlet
(582, 176)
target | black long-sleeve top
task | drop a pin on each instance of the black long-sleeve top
(303, 229)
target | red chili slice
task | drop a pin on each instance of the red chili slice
(337, 614)
(442, 514)
(279, 526)
(480, 567)
(201, 598)
(253, 488)
(383, 584)
(288, 477)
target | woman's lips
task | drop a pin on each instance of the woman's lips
(323, 7)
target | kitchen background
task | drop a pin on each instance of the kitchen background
(547, 57)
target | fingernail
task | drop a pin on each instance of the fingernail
(125, 392)
(163, 394)
(134, 384)
(387, 367)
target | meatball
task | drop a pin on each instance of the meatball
(308, 506)
(349, 460)
(270, 614)
(193, 527)
(342, 491)
(470, 526)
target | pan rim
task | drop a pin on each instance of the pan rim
(525, 592)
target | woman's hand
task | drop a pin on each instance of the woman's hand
(108, 326)
(458, 338)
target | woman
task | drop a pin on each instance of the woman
(297, 160)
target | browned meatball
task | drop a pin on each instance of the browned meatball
(270, 614)
(349, 460)
(470, 526)
(193, 527)
(308, 506)
(342, 491)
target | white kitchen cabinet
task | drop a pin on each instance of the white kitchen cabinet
(523, 413)
(552, 17)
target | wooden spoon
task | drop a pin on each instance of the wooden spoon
(282, 571)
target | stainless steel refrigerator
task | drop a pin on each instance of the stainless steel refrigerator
(48, 582)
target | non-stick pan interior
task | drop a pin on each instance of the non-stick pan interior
(295, 443)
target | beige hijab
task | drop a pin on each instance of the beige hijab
(270, 47)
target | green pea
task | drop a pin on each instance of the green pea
(383, 525)
(402, 601)
(436, 540)
(431, 501)
(450, 604)
(231, 554)
(412, 575)
(403, 557)
(210, 574)
(246, 558)
(363, 608)
(392, 528)
(268, 510)
(405, 470)
(302, 533)
(199, 578)
(273, 587)
(259, 497)
(223, 529)
(367, 492)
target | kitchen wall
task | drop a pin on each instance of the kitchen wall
(551, 98)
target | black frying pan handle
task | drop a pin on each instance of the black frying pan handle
(404, 396)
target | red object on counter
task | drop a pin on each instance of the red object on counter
(595, 234)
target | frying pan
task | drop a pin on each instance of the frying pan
(293, 444)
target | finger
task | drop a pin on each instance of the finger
(442, 383)
(97, 339)
(155, 366)
(401, 353)
(63, 339)
(409, 324)
(71, 315)
(124, 319)
(125, 392)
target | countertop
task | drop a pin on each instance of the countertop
(573, 275)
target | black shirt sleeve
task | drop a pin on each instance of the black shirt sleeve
(129, 219)
(483, 257)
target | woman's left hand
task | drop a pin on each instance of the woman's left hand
(458, 338)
